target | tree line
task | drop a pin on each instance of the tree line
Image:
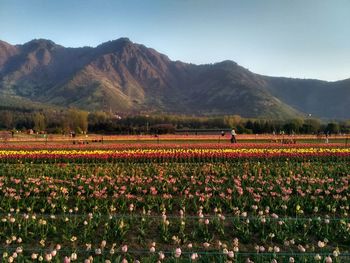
(78, 121)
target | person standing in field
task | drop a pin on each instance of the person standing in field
(233, 136)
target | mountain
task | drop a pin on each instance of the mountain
(130, 78)
(320, 98)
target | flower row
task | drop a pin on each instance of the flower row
(168, 145)
(175, 153)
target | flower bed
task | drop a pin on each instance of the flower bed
(263, 204)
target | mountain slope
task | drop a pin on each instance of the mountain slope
(319, 98)
(227, 87)
(6, 51)
(131, 78)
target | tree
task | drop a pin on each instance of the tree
(6, 120)
(77, 120)
(97, 117)
(39, 122)
(332, 128)
(232, 121)
(344, 126)
(293, 126)
(311, 126)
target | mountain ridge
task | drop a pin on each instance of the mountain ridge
(132, 78)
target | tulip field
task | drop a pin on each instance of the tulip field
(202, 202)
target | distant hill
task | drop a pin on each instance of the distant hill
(131, 78)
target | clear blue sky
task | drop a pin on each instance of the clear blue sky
(292, 38)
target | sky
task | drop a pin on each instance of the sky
(291, 38)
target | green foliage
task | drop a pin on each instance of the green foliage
(332, 128)
(64, 121)
(6, 119)
(39, 122)
(77, 120)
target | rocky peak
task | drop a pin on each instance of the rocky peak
(6, 51)
(36, 44)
